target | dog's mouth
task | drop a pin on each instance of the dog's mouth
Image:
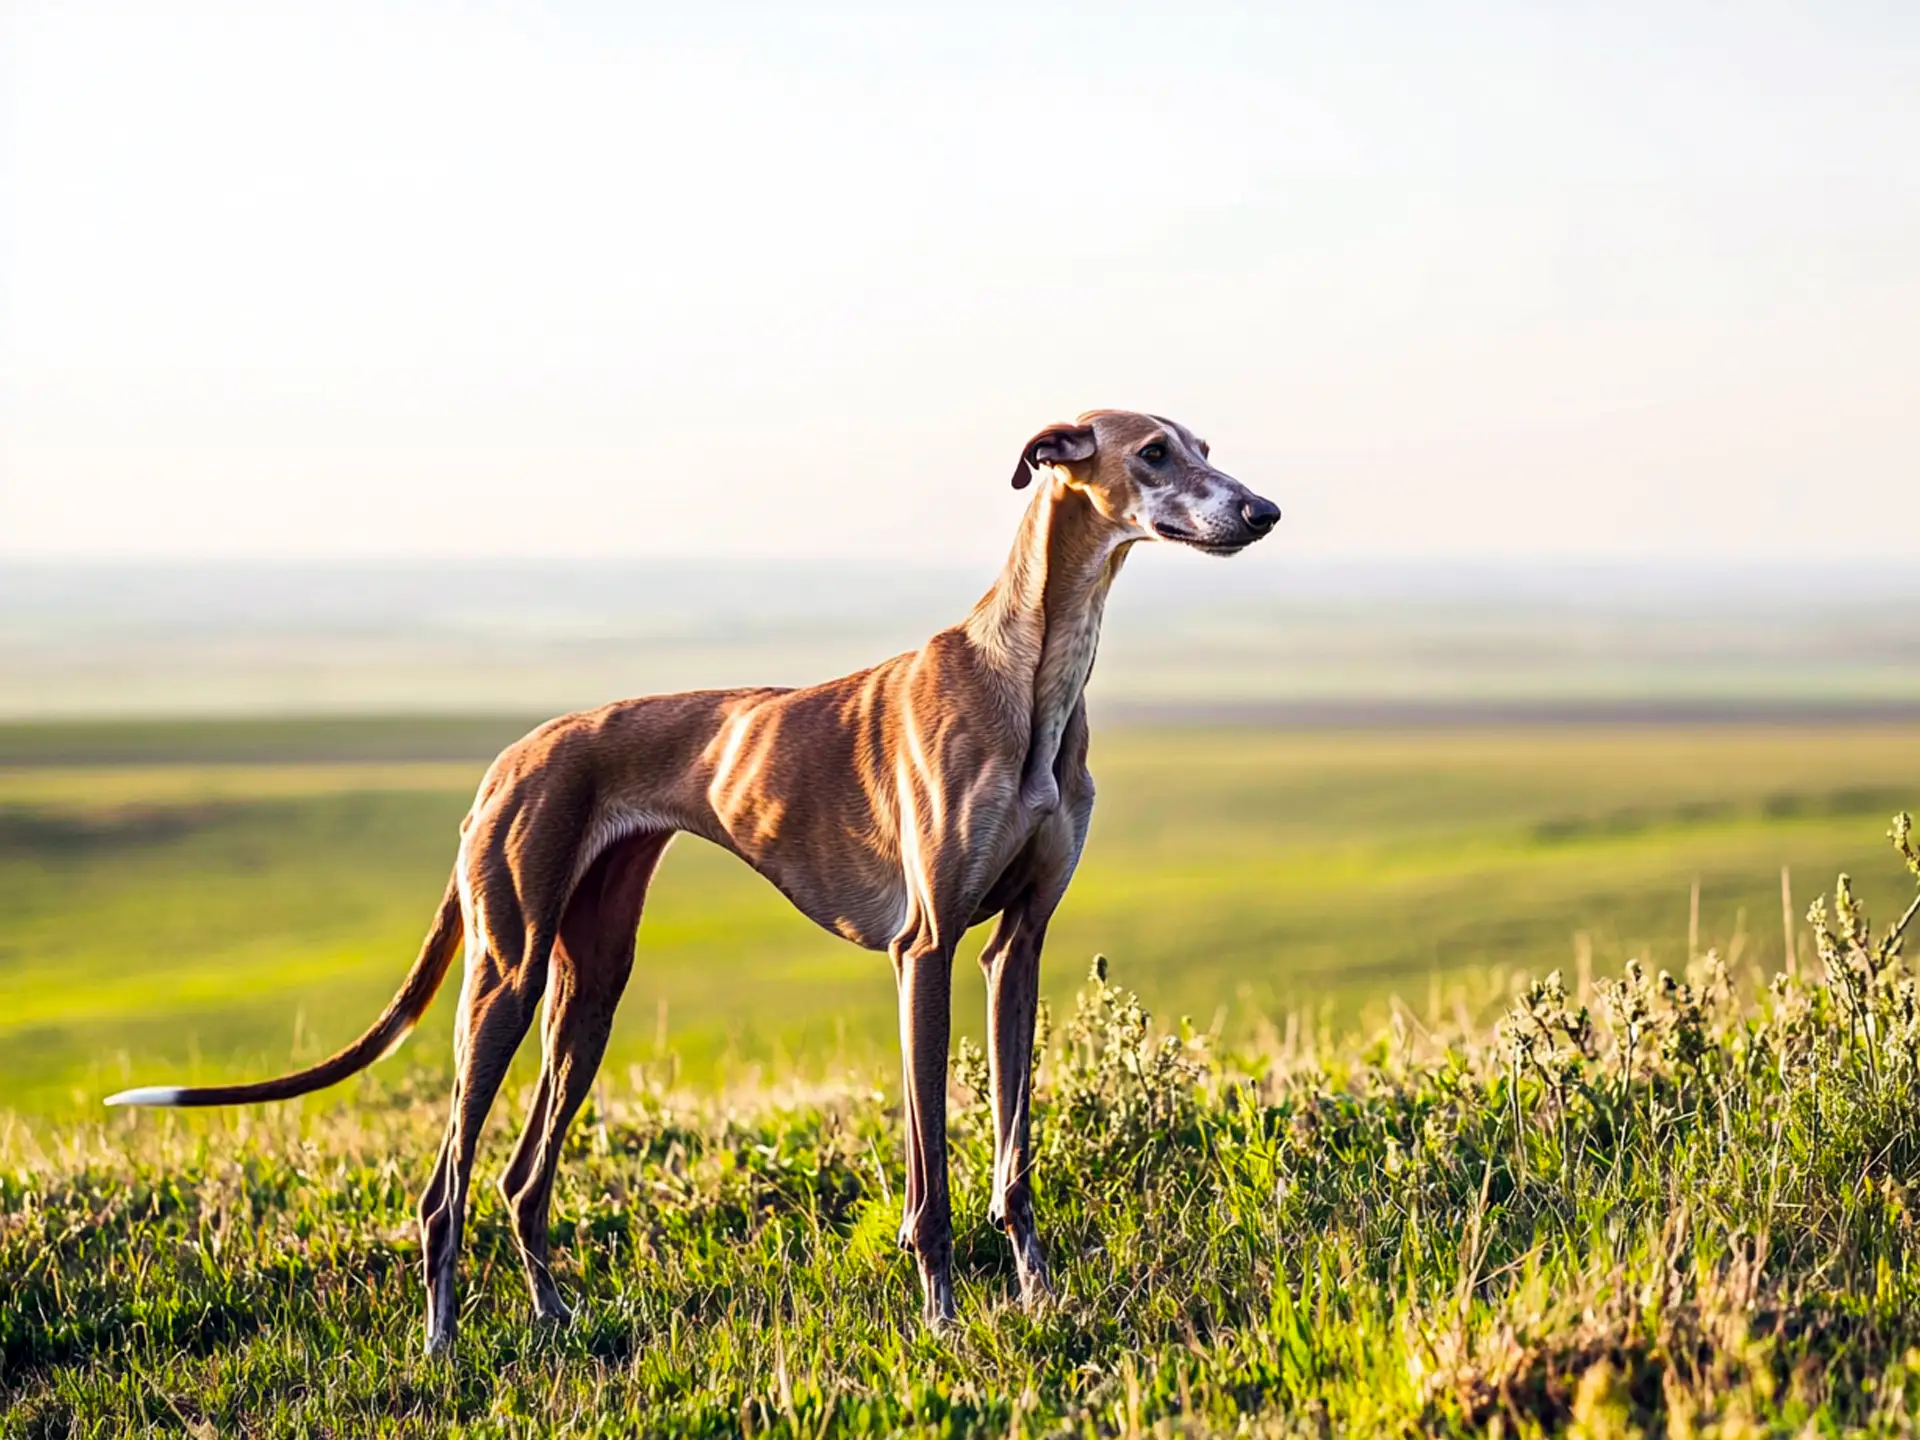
(1180, 535)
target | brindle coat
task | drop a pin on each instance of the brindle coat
(897, 807)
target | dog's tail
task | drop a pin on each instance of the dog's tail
(383, 1037)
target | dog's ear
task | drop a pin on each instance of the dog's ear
(1055, 445)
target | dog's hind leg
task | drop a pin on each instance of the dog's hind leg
(590, 968)
(497, 1001)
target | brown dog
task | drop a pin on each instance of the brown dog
(897, 807)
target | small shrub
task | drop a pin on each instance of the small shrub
(1120, 1095)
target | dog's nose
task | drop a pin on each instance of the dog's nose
(1260, 515)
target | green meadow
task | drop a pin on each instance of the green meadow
(184, 901)
(1669, 1204)
(1396, 1178)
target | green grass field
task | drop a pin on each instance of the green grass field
(1687, 1210)
(185, 902)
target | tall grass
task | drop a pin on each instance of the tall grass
(1685, 1204)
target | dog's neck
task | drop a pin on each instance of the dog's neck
(1039, 625)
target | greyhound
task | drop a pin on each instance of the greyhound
(896, 807)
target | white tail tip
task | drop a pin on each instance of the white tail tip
(147, 1095)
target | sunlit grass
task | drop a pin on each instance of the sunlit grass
(1668, 1205)
(1690, 1212)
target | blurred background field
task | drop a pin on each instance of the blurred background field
(173, 916)
(1272, 636)
(229, 796)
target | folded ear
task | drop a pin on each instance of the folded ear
(1055, 445)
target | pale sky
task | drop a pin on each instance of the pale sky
(352, 279)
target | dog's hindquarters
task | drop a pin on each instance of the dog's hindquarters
(518, 849)
(555, 860)
(591, 963)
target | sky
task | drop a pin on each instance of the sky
(1465, 280)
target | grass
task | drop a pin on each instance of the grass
(1684, 1204)
(168, 917)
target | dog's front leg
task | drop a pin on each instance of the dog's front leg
(1012, 964)
(924, 969)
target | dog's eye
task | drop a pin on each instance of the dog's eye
(1153, 454)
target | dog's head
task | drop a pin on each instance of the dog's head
(1151, 477)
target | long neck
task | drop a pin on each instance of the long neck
(1040, 623)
